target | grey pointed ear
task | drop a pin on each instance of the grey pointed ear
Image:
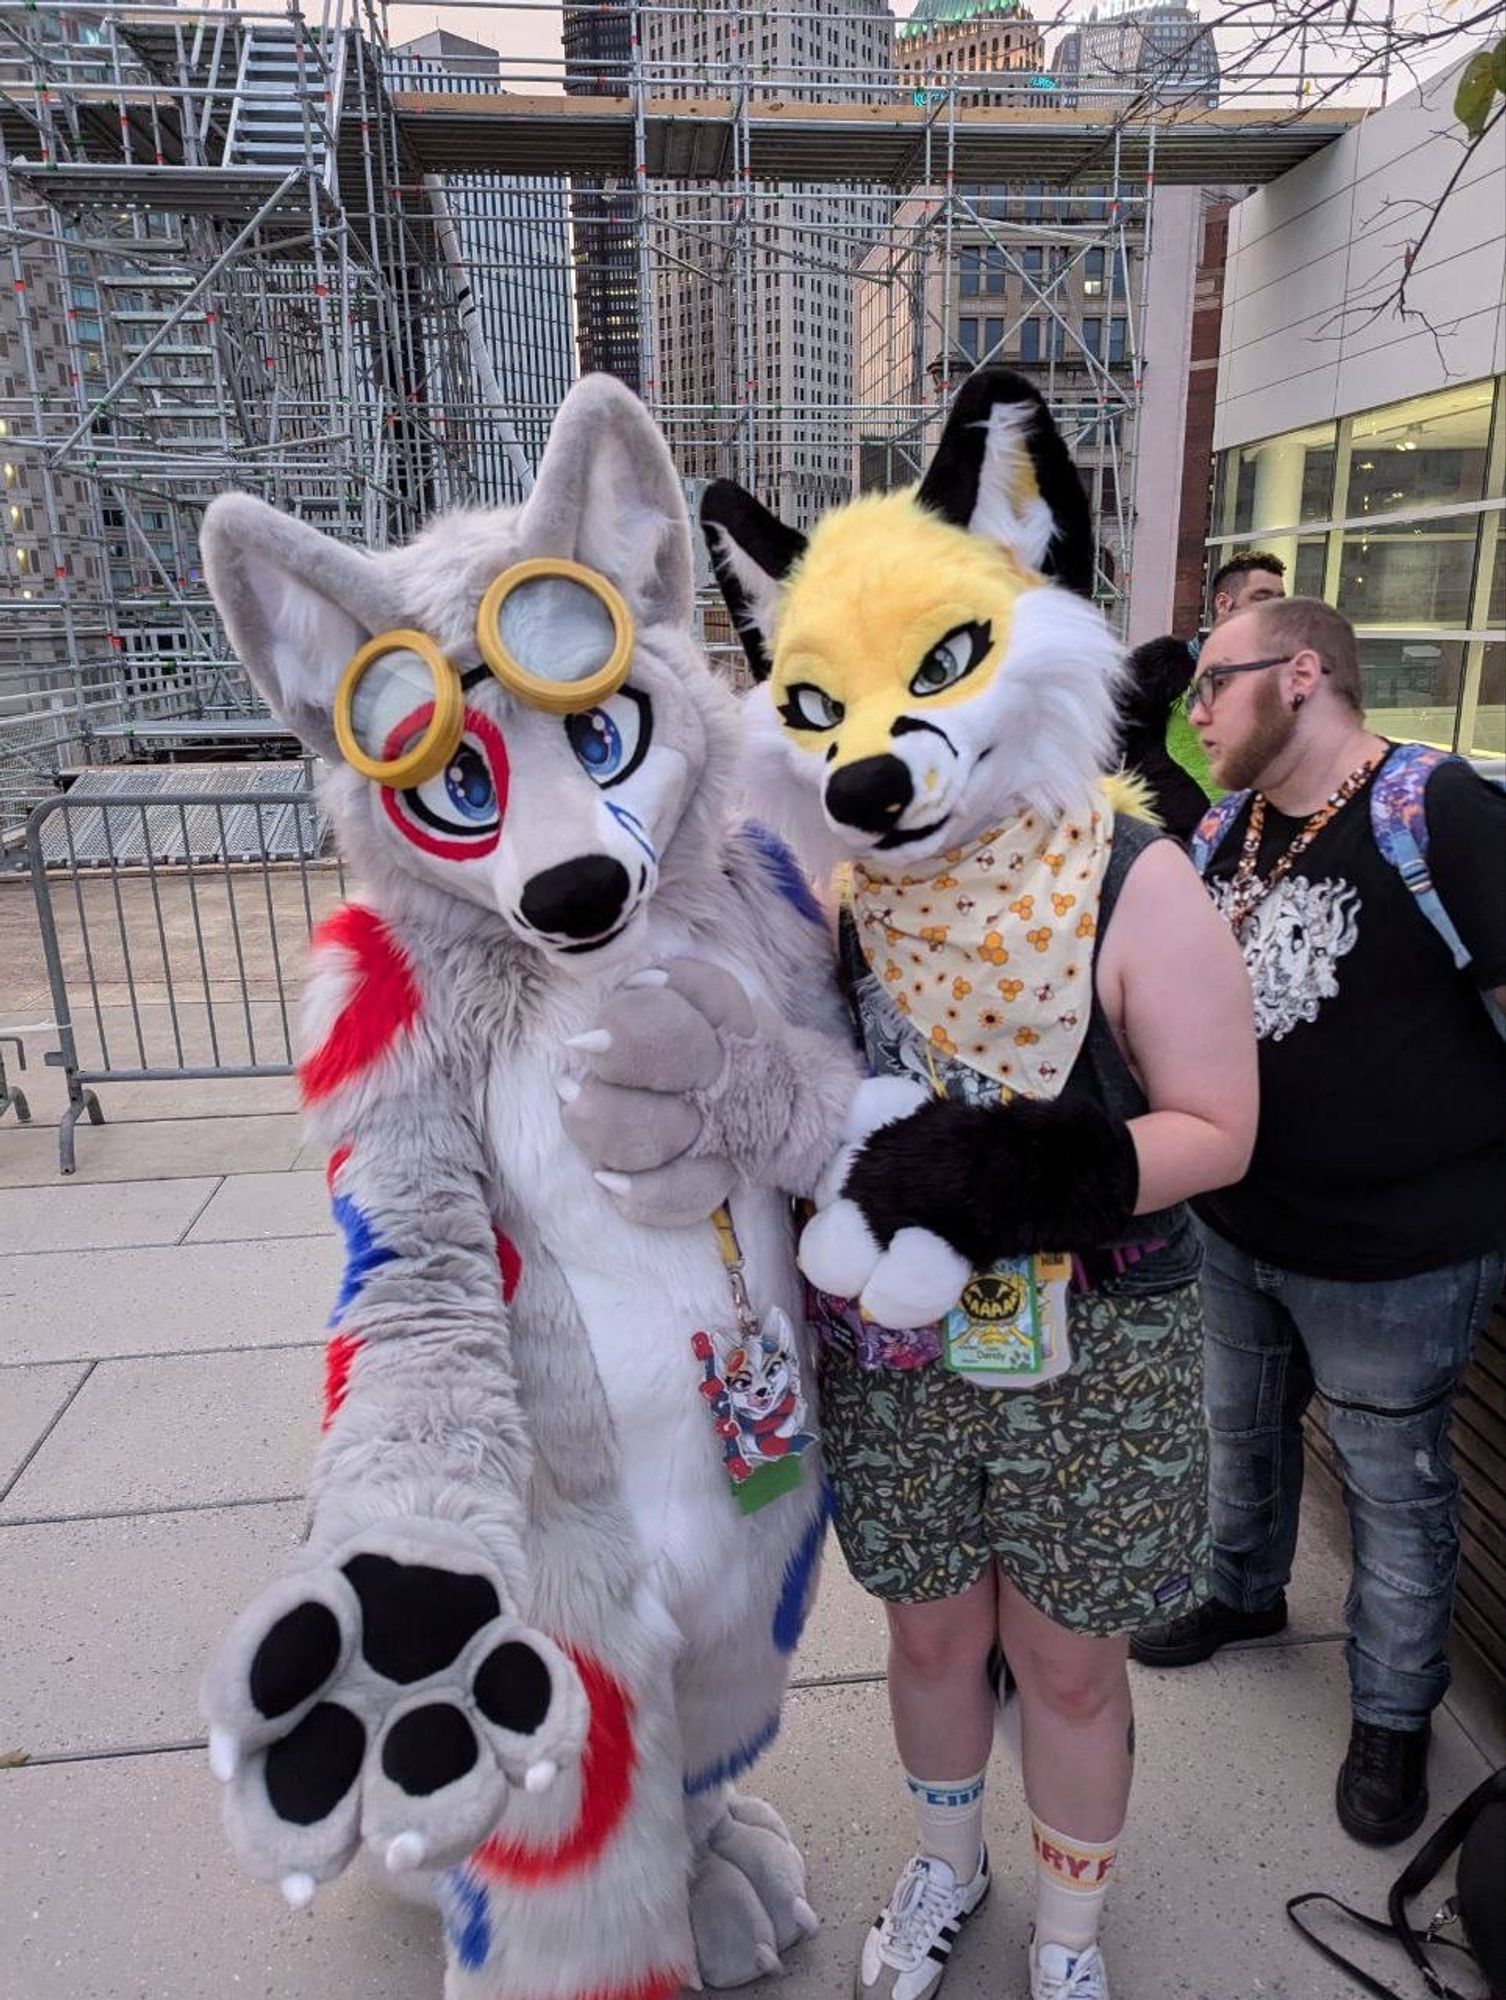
(608, 495)
(1002, 471)
(752, 552)
(296, 605)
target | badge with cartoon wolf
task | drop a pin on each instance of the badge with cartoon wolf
(531, 1640)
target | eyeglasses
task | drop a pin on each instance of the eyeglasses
(555, 634)
(1206, 687)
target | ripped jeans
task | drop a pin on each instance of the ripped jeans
(1385, 1357)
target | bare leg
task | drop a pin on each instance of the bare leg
(938, 1691)
(1075, 1719)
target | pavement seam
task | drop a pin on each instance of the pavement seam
(220, 1181)
(147, 1513)
(62, 1410)
(200, 1243)
(108, 1754)
(162, 1354)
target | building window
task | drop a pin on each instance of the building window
(967, 337)
(971, 267)
(1092, 274)
(1092, 337)
(1030, 340)
(1118, 335)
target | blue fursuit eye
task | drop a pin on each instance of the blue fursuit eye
(469, 788)
(610, 742)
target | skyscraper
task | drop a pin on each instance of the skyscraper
(507, 241)
(1163, 51)
(753, 289)
(604, 215)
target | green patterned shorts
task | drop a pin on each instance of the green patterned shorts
(1091, 1492)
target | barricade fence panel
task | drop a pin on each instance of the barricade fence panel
(175, 927)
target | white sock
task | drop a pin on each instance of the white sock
(949, 1821)
(1071, 1881)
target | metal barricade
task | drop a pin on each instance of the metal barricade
(172, 922)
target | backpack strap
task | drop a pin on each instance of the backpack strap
(1211, 828)
(1398, 819)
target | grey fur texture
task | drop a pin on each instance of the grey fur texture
(507, 1454)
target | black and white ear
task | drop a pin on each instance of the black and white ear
(752, 552)
(1002, 471)
(296, 605)
(607, 495)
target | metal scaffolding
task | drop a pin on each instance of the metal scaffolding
(264, 249)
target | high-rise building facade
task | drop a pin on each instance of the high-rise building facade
(754, 315)
(1163, 52)
(978, 38)
(510, 240)
(605, 216)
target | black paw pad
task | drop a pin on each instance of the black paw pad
(428, 1748)
(512, 1688)
(415, 1619)
(295, 1659)
(312, 1768)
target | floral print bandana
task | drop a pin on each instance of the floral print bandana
(988, 949)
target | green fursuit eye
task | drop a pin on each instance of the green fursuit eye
(952, 658)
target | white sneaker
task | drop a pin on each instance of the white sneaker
(905, 1954)
(1059, 1974)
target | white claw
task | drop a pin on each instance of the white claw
(567, 1088)
(768, 1960)
(651, 975)
(595, 1042)
(539, 1777)
(299, 1890)
(805, 1916)
(615, 1183)
(224, 1755)
(694, 1982)
(405, 1852)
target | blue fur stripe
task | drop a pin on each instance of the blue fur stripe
(363, 1254)
(467, 1919)
(784, 871)
(734, 1763)
(798, 1589)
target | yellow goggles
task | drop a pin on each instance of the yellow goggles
(555, 634)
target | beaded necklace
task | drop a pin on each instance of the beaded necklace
(1247, 891)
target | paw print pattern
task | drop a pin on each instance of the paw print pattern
(388, 1697)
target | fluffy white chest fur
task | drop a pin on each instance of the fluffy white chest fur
(642, 1294)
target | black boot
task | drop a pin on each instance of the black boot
(1383, 1783)
(1198, 1634)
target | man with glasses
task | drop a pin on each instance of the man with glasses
(1361, 1254)
(1156, 741)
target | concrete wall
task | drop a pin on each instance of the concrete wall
(1312, 256)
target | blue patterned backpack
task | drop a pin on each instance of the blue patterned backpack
(1399, 823)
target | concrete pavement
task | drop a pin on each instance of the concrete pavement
(159, 1390)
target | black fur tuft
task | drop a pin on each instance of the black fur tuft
(1000, 1181)
(727, 509)
(950, 486)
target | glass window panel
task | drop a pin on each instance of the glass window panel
(1035, 260)
(970, 266)
(1411, 687)
(967, 335)
(1030, 340)
(1417, 453)
(1092, 336)
(1280, 481)
(993, 333)
(1410, 574)
(1488, 737)
(1118, 335)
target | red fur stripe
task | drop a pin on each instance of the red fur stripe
(337, 1160)
(339, 1356)
(652, 1986)
(608, 1763)
(512, 1265)
(381, 1003)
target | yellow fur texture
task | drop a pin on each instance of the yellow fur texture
(882, 582)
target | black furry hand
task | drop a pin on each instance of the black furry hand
(999, 1181)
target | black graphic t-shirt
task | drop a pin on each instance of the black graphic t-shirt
(1382, 1141)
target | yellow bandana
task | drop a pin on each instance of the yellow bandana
(988, 950)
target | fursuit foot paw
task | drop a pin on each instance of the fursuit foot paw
(386, 1696)
(747, 1898)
